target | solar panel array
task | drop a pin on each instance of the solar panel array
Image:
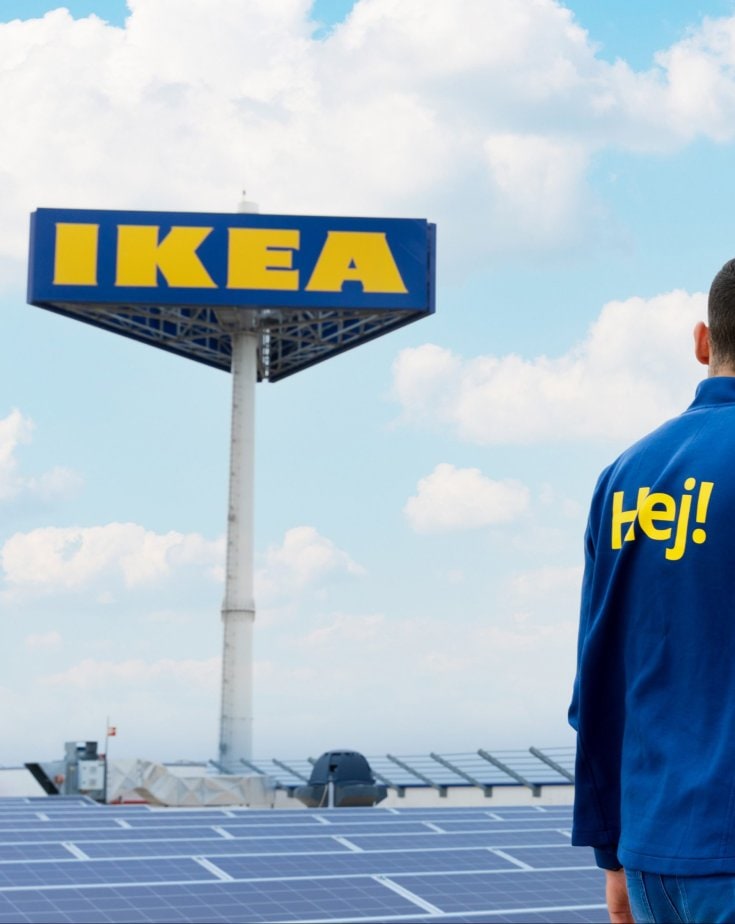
(70, 860)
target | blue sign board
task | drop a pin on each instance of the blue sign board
(327, 284)
(177, 258)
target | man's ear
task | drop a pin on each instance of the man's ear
(702, 348)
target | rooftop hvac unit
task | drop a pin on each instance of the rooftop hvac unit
(81, 772)
(341, 779)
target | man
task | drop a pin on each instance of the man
(654, 697)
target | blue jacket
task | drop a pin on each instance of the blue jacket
(654, 696)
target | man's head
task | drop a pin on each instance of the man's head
(714, 345)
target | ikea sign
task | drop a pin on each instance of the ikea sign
(193, 258)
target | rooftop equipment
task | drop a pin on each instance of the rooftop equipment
(81, 772)
(341, 779)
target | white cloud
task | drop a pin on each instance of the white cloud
(56, 483)
(634, 369)
(91, 674)
(492, 678)
(461, 110)
(495, 680)
(700, 94)
(546, 583)
(538, 184)
(53, 559)
(16, 430)
(107, 561)
(453, 498)
(43, 640)
(170, 617)
(303, 559)
(363, 629)
(456, 684)
(163, 708)
(481, 114)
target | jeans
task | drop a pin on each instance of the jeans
(656, 899)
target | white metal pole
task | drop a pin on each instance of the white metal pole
(238, 607)
(107, 759)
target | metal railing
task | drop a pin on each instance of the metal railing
(483, 769)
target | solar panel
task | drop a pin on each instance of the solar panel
(500, 838)
(71, 861)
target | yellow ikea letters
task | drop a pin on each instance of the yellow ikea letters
(140, 255)
(357, 256)
(262, 258)
(662, 517)
(257, 258)
(75, 257)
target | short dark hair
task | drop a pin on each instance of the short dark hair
(721, 316)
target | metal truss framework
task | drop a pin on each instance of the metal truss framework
(289, 339)
(534, 769)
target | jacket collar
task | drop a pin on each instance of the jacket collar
(720, 389)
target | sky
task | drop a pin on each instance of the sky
(420, 501)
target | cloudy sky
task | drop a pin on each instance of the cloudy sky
(421, 501)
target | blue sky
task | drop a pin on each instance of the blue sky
(421, 500)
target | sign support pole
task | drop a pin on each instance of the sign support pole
(299, 288)
(238, 607)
